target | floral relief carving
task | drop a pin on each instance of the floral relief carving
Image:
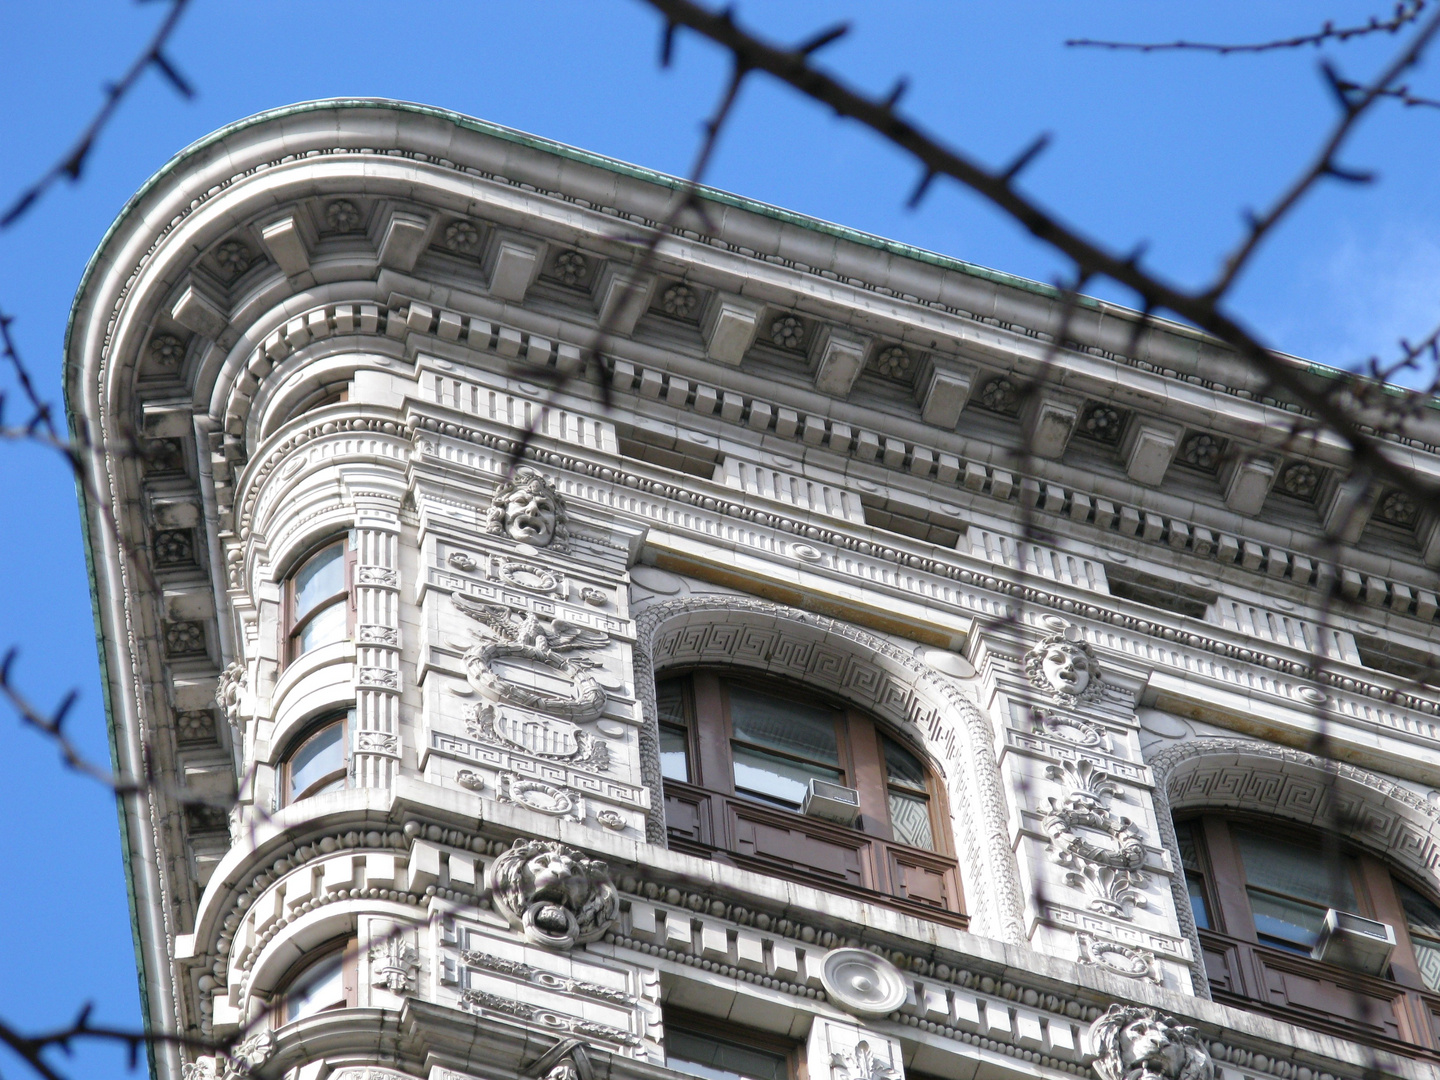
(680, 301)
(528, 509)
(572, 268)
(394, 964)
(555, 895)
(1066, 668)
(787, 331)
(462, 237)
(342, 216)
(506, 638)
(377, 742)
(463, 562)
(166, 350)
(234, 257)
(1109, 871)
(862, 1063)
(1135, 1042)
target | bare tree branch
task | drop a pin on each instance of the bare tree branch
(1405, 13)
(73, 163)
(1201, 309)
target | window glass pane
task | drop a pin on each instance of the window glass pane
(1198, 907)
(321, 987)
(716, 1059)
(1421, 916)
(674, 753)
(1291, 924)
(1189, 853)
(806, 731)
(910, 819)
(326, 628)
(320, 755)
(775, 778)
(1301, 872)
(322, 576)
(902, 767)
(670, 701)
(1427, 955)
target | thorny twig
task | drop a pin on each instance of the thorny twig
(1200, 308)
(73, 163)
(1405, 13)
(31, 1048)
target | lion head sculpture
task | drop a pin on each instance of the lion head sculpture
(529, 510)
(1136, 1043)
(1066, 668)
(555, 895)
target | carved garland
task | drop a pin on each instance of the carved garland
(981, 801)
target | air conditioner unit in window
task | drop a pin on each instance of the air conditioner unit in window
(833, 802)
(1355, 942)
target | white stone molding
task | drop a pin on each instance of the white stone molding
(375, 758)
(875, 675)
(1223, 773)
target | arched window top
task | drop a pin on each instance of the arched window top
(782, 777)
(1257, 885)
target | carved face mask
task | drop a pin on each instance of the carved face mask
(530, 517)
(1066, 670)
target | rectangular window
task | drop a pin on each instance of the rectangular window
(715, 1058)
(779, 745)
(1290, 887)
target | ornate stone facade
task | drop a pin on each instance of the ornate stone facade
(348, 325)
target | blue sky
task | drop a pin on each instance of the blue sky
(1163, 148)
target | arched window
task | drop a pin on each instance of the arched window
(1296, 921)
(323, 983)
(785, 781)
(319, 761)
(317, 600)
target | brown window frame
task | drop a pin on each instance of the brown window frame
(736, 1034)
(349, 947)
(344, 718)
(293, 627)
(886, 863)
(1246, 970)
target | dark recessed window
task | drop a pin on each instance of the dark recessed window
(714, 1056)
(319, 761)
(317, 600)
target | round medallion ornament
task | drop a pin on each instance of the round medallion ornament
(862, 983)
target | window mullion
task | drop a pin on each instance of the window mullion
(868, 774)
(1380, 890)
(1228, 879)
(712, 734)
